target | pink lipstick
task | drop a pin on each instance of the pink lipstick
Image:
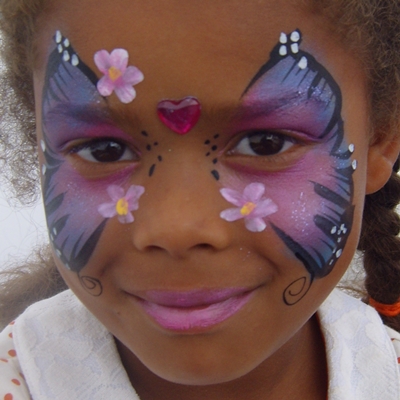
(193, 310)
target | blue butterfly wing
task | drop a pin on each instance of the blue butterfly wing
(296, 74)
(73, 235)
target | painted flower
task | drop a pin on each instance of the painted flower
(122, 203)
(250, 205)
(118, 76)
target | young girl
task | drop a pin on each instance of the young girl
(207, 171)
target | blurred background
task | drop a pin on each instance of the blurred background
(21, 229)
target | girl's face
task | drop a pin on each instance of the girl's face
(206, 219)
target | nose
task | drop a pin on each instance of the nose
(179, 213)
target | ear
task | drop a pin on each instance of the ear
(381, 157)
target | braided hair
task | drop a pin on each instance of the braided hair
(380, 245)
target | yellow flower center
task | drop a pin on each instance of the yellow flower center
(247, 208)
(114, 73)
(122, 207)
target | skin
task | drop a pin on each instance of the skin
(178, 242)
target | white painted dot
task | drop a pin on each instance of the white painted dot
(58, 37)
(44, 169)
(339, 253)
(339, 240)
(295, 48)
(352, 148)
(43, 145)
(354, 164)
(74, 60)
(60, 48)
(303, 63)
(283, 51)
(283, 38)
(331, 262)
(55, 231)
(295, 36)
(51, 237)
(66, 43)
(66, 56)
(333, 230)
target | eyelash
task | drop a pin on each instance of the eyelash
(289, 150)
(249, 145)
(115, 151)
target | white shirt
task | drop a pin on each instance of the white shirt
(58, 350)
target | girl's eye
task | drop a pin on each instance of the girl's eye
(104, 151)
(263, 143)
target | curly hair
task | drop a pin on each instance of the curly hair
(368, 28)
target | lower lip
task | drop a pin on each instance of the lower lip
(195, 318)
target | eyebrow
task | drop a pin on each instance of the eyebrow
(83, 113)
(90, 114)
(264, 107)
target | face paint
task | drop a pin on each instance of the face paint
(118, 76)
(122, 203)
(149, 147)
(179, 115)
(251, 205)
(72, 108)
(212, 148)
(293, 93)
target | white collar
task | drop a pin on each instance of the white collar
(66, 353)
(362, 363)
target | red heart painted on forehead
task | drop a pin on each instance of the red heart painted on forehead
(179, 115)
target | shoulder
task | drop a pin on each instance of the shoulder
(395, 339)
(66, 353)
(13, 385)
(361, 354)
(12, 382)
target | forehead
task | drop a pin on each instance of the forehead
(184, 44)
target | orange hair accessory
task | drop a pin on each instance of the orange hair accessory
(388, 310)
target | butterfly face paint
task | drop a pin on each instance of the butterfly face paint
(72, 109)
(293, 93)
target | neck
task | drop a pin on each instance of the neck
(296, 371)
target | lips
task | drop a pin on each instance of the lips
(193, 310)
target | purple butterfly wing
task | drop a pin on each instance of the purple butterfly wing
(297, 77)
(71, 211)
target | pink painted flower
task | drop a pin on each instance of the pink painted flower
(118, 76)
(122, 203)
(250, 205)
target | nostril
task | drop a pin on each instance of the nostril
(154, 249)
(204, 246)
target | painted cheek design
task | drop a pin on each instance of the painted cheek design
(75, 226)
(122, 203)
(250, 205)
(118, 76)
(179, 115)
(297, 93)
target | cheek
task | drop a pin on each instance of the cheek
(315, 210)
(71, 204)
